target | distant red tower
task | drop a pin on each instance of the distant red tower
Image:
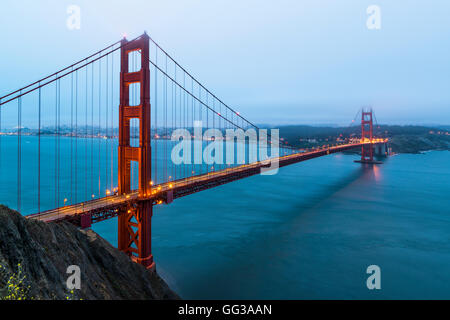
(135, 222)
(366, 136)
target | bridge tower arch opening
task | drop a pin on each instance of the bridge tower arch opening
(134, 234)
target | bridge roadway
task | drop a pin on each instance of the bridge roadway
(111, 206)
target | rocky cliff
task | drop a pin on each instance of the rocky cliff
(45, 251)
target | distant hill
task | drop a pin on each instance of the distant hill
(403, 139)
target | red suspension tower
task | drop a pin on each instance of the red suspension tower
(135, 221)
(367, 136)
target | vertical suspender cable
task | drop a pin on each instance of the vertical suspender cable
(112, 121)
(200, 114)
(85, 134)
(56, 145)
(92, 131)
(71, 140)
(39, 152)
(165, 125)
(207, 128)
(99, 123)
(58, 141)
(173, 106)
(174, 118)
(19, 151)
(156, 117)
(76, 136)
(186, 105)
(106, 121)
(183, 96)
(192, 126)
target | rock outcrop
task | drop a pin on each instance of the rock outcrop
(45, 251)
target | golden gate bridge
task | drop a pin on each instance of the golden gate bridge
(97, 171)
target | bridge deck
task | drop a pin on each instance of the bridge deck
(110, 206)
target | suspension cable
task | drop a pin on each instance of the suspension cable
(20, 92)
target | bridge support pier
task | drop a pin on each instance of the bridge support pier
(381, 150)
(135, 229)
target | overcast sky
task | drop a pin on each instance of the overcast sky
(278, 62)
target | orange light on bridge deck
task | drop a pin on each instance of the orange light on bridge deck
(159, 202)
(108, 192)
(151, 183)
(127, 196)
(93, 196)
(170, 185)
(65, 200)
(159, 188)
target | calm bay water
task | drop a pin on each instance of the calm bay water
(308, 232)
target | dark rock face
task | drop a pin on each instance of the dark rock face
(45, 251)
